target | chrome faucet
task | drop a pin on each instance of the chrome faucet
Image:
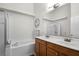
(68, 39)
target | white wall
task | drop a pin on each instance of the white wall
(40, 9)
(74, 9)
(19, 27)
(23, 7)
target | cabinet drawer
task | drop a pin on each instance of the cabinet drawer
(40, 41)
(62, 49)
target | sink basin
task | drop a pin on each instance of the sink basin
(72, 43)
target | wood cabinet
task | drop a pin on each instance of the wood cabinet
(44, 48)
(40, 47)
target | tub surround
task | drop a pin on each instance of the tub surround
(23, 50)
(20, 48)
(74, 44)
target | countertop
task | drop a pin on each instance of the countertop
(74, 44)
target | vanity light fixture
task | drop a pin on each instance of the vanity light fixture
(52, 6)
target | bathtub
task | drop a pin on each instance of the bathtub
(21, 49)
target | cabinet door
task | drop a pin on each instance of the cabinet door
(37, 47)
(51, 52)
(42, 50)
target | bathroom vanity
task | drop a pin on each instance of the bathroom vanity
(55, 47)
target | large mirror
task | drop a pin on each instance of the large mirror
(57, 27)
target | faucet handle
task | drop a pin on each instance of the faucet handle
(8, 42)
